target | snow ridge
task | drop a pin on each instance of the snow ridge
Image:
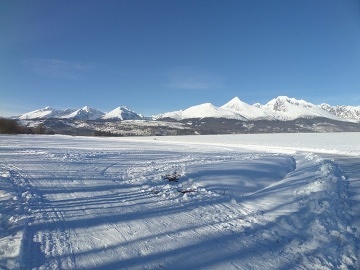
(327, 203)
(321, 201)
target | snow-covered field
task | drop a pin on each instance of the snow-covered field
(275, 201)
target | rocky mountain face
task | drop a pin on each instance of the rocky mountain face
(345, 112)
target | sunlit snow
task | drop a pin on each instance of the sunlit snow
(275, 201)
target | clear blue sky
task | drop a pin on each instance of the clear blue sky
(164, 55)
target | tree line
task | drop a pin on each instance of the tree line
(11, 126)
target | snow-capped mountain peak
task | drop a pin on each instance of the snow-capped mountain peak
(248, 111)
(85, 113)
(47, 112)
(235, 104)
(284, 103)
(281, 108)
(122, 113)
(205, 110)
(285, 108)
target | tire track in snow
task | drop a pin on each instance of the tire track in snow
(28, 199)
(38, 239)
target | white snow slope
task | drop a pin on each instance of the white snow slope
(274, 201)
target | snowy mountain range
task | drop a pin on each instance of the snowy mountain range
(85, 113)
(281, 108)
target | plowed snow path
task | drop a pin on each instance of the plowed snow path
(88, 203)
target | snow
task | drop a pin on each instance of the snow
(281, 108)
(274, 201)
(346, 112)
(41, 113)
(250, 112)
(46, 112)
(203, 111)
(85, 113)
(285, 108)
(122, 113)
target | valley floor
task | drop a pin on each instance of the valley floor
(274, 201)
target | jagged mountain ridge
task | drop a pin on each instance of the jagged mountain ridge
(85, 113)
(285, 108)
(346, 112)
(281, 108)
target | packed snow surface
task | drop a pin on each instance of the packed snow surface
(274, 201)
